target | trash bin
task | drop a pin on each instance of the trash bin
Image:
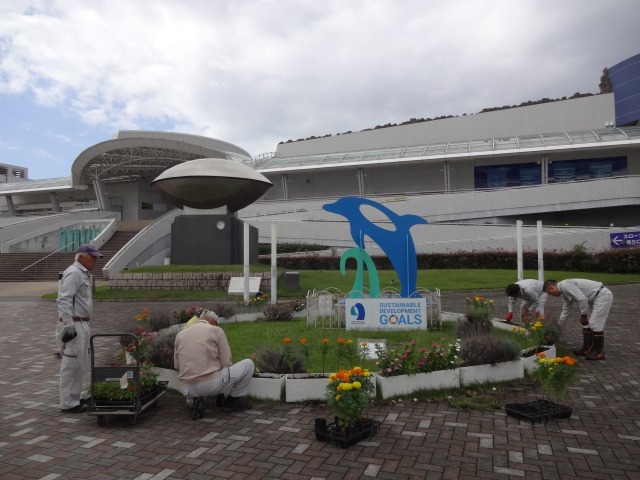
(291, 280)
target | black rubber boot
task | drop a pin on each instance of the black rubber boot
(236, 404)
(597, 352)
(199, 408)
(587, 344)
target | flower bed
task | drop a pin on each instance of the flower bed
(391, 387)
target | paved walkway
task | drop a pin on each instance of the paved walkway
(601, 440)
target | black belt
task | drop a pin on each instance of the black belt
(599, 290)
(79, 319)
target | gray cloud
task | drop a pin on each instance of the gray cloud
(258, 72)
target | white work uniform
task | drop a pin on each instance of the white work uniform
(74, 302)
(533, 296)
(594, 299)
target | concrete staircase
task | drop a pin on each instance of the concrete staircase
(11, 264)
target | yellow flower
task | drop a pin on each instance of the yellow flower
(338, 397)
(356, 384)
(346, 386)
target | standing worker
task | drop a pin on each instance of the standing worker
(594, 298)
(75, 304)
(532, 294)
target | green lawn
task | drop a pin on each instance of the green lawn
(445, 280)
(247, 339)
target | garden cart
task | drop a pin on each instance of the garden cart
(122, 390)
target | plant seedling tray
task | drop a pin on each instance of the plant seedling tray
(538, 411)
(334, 436)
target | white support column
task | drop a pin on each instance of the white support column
(101, 195)
(10, 205)
(274, 267)
(285, 186)
(447, 176)
(360, 176)
(519, 248)
(540, 251)
(246, 262)
(55, 204)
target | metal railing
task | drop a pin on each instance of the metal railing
(46, 257)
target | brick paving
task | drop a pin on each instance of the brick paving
(422, 440)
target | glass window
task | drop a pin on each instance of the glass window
(512, 175)
(586, 169)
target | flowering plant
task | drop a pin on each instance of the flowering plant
(143, 318)
(287, 351)
(411, 359)
(536, 331)
(555, 374)
(184, 315)
(297, 306)
(138, 350)
(324, 349)
(349, 395)
(479, 308)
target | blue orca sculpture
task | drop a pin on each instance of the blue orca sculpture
(397, 244)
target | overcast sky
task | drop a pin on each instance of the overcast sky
(254, 73)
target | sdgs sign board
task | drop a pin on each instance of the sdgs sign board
(386, 313)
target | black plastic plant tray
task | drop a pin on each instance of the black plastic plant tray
(158, 388)
(538, 411)
(334, 436)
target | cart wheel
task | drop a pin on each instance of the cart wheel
(101, 420)
(132, 420)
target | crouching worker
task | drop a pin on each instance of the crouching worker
(203, 360)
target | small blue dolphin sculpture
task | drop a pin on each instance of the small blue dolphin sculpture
(396, 244)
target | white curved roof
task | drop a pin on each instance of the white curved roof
(135, 154)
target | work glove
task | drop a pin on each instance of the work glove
(508, 316)
(69, 333)
(583, 319)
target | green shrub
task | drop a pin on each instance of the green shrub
(278, 312)
(488, 349)
(161, 349)
(269, 360)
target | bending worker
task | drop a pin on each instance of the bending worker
(595, 301)
(532, 294)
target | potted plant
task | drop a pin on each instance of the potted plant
(555, 375)
(540, 336)
(480, 311)
(348, 395)
(114, 393)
